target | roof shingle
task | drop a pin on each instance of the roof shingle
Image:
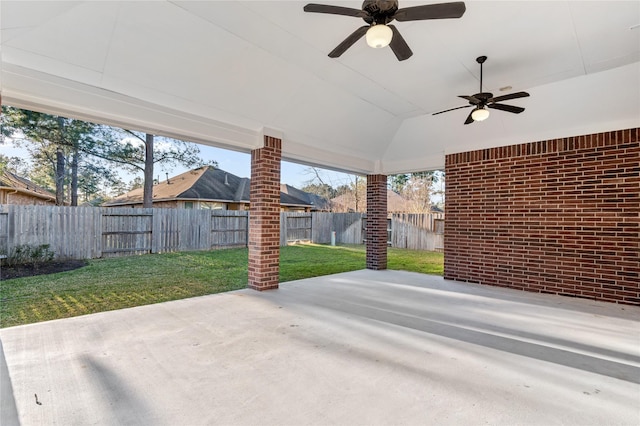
(204, 183)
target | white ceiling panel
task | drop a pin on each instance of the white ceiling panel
(356, 128)
(218, 72)
(618, 43)
(76, 35)
(20, 17)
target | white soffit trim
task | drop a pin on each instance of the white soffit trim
(424, 164)
(313, 156)
(22, 88)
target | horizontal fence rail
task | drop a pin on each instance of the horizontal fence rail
(94, 232)
(127, 232)
(347, 226)
(420, 231)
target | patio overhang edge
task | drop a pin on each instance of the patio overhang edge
(77, 100)
(21, 87)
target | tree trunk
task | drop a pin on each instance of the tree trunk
(59, 177)
(147, 200)
(74, 178)
(357, 196)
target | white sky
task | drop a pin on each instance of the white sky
(233, 162)
(291, 173)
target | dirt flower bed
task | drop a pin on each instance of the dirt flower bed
(19, 271)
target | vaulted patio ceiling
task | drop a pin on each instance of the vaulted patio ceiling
(225, 72)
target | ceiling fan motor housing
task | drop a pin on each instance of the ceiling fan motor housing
(378, 14)
(483, 97)
(380, 11)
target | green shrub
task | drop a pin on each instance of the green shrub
(30, 254)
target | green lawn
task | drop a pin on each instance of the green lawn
(107, 284)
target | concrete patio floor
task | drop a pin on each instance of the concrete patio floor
(362, 347)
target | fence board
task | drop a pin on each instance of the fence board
(4, 230)
(416, 231)
(321, 228)
(295, 227)
(347, 226)
(229, 228)
(166, 234)
(126, 231)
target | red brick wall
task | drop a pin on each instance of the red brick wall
(376, 222)
(558, 216)
(9, 196)
(264, 216)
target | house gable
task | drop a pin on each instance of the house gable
(18, 190)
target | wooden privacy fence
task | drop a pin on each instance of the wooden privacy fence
(420, 231)
(93, 232)
(347, 226)
(295, 227)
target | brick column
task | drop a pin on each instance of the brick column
(264, 216)
(376, 222)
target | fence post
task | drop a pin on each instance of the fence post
(283, 229)
(156, 230)
(246, 232)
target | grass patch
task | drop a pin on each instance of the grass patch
(424, 262)
(107, 284)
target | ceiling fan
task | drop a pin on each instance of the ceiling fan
(377, 14)
(483, 100)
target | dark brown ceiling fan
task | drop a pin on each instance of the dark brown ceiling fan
(483, 100)
(378, 14)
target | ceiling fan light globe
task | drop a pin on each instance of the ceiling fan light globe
(480, 114)
(379, 36)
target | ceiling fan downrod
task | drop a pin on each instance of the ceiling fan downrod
(480, 60)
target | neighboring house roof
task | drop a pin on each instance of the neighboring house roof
(318, 202)
(205, 184)
(395, 202)
(347, 201)
(14, 182)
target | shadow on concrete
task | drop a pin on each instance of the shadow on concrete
(124, 403)
(410, 313)
(8, 409)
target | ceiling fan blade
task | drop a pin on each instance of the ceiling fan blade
(335, 10)
(349, 41)
(399, 46)
(508, 108)
(473, 100)
(469, 119)
(451, 109)
(431, 11)
(509, 96)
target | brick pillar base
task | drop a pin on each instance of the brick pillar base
(376, 222)
(264, 216)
